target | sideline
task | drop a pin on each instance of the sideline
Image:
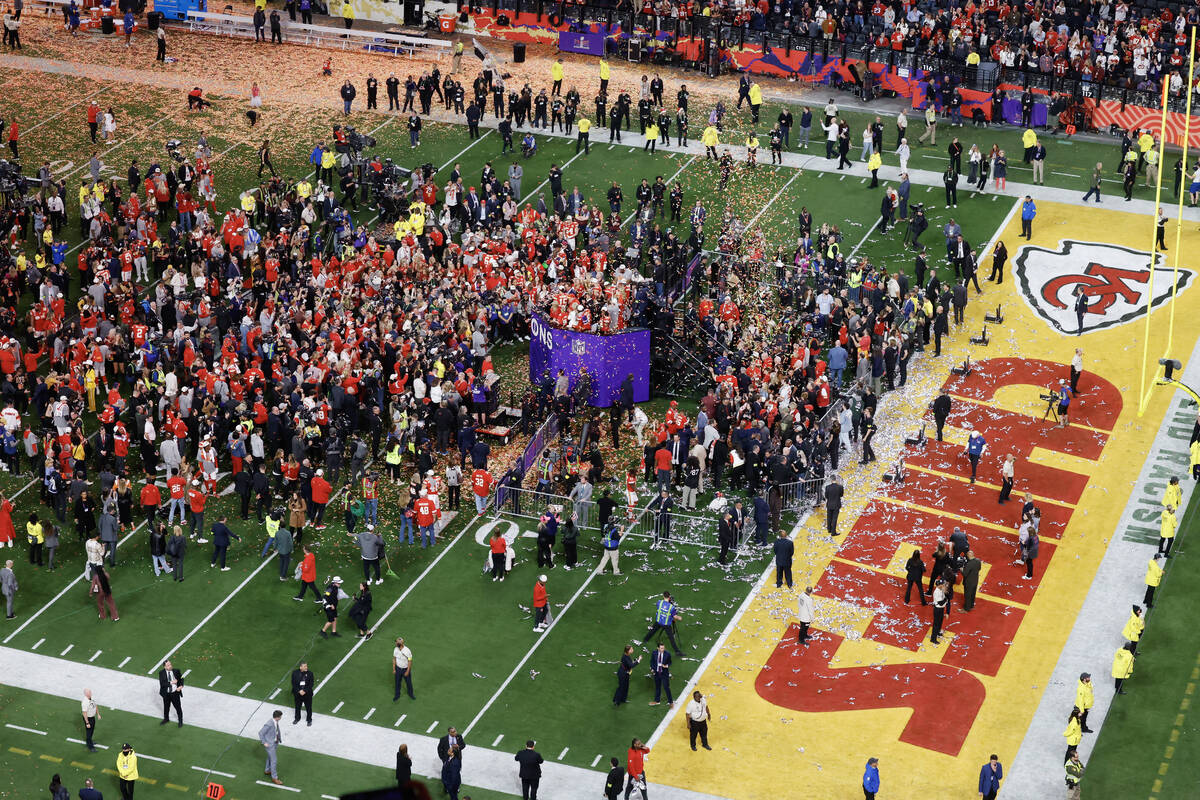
(350, 740)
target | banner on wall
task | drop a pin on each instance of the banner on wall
(589, 44)
(608, 359)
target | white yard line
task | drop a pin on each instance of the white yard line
(278, 786)
(124, 661)
(369, 714)
(211, 614)
(95, 655)
(64, 652)
(34, 127)
(432, 725)
(678, 172)
(528, 655)
(496, 743)
(27, 730)
(116, 146)
(795, 174)
(155, 758)
(208, 771)
(211, 683)
(379, 622)
(396, 724)
(244, 688)
(543, 183)
(338, 707)
(38, 644)
(866, 236)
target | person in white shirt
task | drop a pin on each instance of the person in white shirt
(91, 714)
(402, 668)
(697, 716)
(640, 421)
(804, 612)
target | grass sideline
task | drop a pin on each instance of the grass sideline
(28, 760)
(1150, 743)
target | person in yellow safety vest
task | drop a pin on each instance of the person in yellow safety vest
(755, 101)
(328, 160)
(348, 14)
(1151, 167)
(1154, 573)
(393, 456)
(752, 150)
(556, 75)
(710, 138)
(1166, 532)
(416, 221)
(1122, 667)
(1085, 698)
(303, 190)
(1145, 144)
(604, 72)
(127, 771)
(585, 125)
(248, 203)
(272, 526)
(401, 228)
(1028, 141)
(853, 281)
(873, 165)
(1074, 732)
(1173, 494)
(1134, 627)
(651, 137)
(1195, 460)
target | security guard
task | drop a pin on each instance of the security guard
(585, 125)
(666, 613)
(1173, 494)
(556, 75)
(1085, 698)
(127, 770)
(1154, 573)
(1166, 533)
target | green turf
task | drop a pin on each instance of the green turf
(1150, 743)
(28, 760)
(468, 634)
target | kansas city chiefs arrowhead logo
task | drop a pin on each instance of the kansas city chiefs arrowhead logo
(1114, 279)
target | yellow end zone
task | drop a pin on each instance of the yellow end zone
(821, 754)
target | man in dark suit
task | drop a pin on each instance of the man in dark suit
(1081, 308)
(530, 770)
(725, 536)
(170, 688)
(616, 776)
(303, 683)
(660, 668)
(784, 549)
(451, 739)
(833, 504)
(970, 576)
(941, 411)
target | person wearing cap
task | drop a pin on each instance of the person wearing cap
(1134, 627)
(541, 605)
(1085, 698)
(333, 594)
(321, 490)
(976, 447)
(127, 770)
(196, 501)
(370, 544)
(1154, 573)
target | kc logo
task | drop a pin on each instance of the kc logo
(1114, 279)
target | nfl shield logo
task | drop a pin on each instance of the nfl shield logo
(578, 347)
(1114, 279)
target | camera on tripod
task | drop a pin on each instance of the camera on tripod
(173, 146)
(1048, 398)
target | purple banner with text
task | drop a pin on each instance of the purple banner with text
(608, 359)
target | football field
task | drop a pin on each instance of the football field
(479, 666)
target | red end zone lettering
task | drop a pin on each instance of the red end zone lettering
(800, 678)
(908, 514)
